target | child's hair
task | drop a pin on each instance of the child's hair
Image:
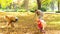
(36, 9)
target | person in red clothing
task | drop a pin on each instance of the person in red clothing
(40, 26)
(41, 22)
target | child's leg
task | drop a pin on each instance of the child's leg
(42, 31)
(41, 26)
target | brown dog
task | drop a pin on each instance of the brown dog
(10, 20)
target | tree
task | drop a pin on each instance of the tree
(46, 4)
(58, 5)
(26, 2)
(5, 3)
(39, 4)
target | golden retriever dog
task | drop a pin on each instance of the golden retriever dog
(10, 20)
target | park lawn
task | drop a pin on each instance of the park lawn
(55, 25)
(53, 20)
(27, 22)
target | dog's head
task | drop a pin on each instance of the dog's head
(11, 18)
(15, 19)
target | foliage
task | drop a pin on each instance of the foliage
(32, 6)
(57, 11)
(5, 3)
(46, 3)
(43, 9)
(21, 10)
(32, 10)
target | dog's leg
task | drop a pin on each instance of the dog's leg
(12, 25)
(8, 23)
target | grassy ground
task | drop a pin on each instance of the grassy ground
(27, 25)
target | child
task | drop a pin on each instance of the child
(41, 22)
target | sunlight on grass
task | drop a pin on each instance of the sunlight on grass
(26, 23)
(58, 22)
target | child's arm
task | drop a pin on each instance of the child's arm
(35, 15)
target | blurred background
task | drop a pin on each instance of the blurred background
(29, 5)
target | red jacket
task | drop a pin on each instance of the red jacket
(40, 24)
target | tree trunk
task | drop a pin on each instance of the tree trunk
(39, 4)
(52, 5)
(58, 5)
(26, 2)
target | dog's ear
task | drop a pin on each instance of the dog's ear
(6, 17)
